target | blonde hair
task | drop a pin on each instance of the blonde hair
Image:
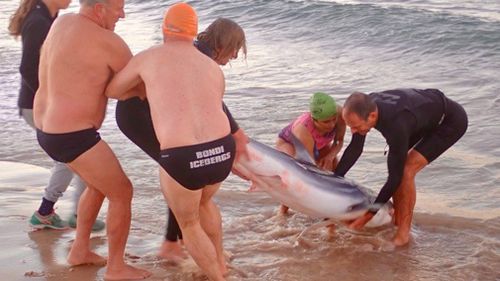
(224, 36)
(17, 19)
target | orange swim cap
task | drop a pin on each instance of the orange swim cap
(181, 20)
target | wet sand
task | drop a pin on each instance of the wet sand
(263, 245)
(29, 254)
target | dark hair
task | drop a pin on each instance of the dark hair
(361, 104)
(223, 36)
(17, 19)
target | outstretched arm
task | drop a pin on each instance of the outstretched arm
(327, 162)
(398, 150)
(239, 136)
(351, 154)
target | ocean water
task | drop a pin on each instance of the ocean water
(297, 47)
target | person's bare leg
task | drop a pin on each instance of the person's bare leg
(171, 248)
(100, 168)
(172, 251)
(186, 207)
(406, 196)
(91, 201)
(211, 222)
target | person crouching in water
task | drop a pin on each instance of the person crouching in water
(321, 131)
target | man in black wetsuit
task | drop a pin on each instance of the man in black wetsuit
(418, 125)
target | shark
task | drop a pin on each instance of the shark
(299, 184)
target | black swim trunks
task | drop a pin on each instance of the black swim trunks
(199, 165)
(451, 128)
(67, 147)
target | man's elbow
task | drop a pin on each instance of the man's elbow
(110, 94)
(113, 94)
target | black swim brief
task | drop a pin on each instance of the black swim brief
(199, 165)
(67, 147)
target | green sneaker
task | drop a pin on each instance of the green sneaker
(50, 221)
(98, 224)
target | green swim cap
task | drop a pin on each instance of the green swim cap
(322, 106)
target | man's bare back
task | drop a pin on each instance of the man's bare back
(184, 103)
(73, 77)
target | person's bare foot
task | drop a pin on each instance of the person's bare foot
(172, 251)
(225, 271)
(126, 272)
(223, 266)
(79, 257)
(332, 229)
(228, 255)
(400, 239)
(283, 210)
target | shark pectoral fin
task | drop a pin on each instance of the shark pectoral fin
(301, 153)
(261, 183)
(273, 181)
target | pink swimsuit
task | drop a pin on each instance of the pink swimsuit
(320, 140)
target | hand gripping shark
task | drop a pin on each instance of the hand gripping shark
(299, 184)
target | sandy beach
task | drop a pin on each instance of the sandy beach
(29, 254)
(41, 255)
(295, 48)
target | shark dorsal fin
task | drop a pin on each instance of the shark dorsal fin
(301, 153)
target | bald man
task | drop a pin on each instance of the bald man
(70, 107)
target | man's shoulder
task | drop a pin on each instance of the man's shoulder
(154, 53)
(397, 128)
(83, 27)
(155, 49)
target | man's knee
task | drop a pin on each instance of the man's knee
(187, 220)
(414, 163)
(208, 193)
(120, 190)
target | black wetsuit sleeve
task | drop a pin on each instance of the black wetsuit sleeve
(351, 154)
(33, 35)
(398, 142)
(232, 122)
